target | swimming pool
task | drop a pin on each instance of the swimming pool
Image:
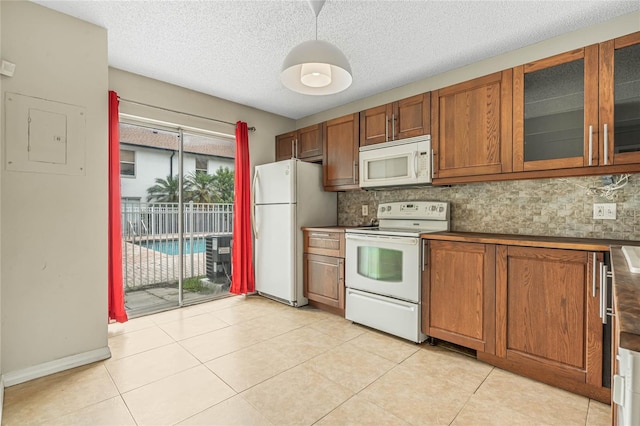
(171, 247)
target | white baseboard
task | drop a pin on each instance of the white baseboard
(15, 377)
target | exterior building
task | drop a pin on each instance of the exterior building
(147, 154)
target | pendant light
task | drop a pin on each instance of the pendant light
(316, 67)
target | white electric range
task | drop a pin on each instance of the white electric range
(384, 264)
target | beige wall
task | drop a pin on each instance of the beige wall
(604, 31)
(54, 226)
(153, 92)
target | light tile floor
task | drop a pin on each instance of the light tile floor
(252, 361)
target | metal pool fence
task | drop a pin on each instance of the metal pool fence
(150, 234)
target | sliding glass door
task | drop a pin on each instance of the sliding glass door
(177, 216)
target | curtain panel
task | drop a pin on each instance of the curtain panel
(242, 280)
(117, 311)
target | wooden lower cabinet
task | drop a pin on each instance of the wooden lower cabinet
(530, 310)
(547, 318)
(459, 294)
(324, 269)
(324, 280)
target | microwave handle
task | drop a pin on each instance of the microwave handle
(415, 164)
(355, 172)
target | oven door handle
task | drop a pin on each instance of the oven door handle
(382, 300)
(411, 241)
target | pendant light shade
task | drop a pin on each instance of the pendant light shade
(316, 67)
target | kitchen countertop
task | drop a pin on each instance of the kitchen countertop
(591, 244)
(327, 228)
(626, 300)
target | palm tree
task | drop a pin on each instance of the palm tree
(223, 184)
(199, 187)
(164, 191)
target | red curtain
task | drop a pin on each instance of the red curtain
(242, 256)
(116, 288)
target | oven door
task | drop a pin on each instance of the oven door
(382, 264)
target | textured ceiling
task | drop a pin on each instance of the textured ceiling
(234, 49)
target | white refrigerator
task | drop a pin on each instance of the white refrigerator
(287, 195)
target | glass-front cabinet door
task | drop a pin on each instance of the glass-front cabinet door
(556, 111)
(620, 100)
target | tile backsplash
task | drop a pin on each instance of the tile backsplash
(547, 207)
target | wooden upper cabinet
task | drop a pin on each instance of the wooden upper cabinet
(374, 125)
(412, 117)
(305, 144)
(458, 301)
(398, 120)
(555, 120)
(309, 143)
(619, 94)
(285, 146)
(340, 153)
(471, 127)
(579, 109)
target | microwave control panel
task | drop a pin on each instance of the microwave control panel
(423, 164)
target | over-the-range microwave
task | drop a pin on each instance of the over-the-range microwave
(404, 162)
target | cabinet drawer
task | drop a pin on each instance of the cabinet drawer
(324, 243)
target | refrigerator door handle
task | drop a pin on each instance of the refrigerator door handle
(253, 204)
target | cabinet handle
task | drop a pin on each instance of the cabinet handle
(386, 128)
(603, 292)
(393, 127)
(601, 278)
(606, 144)
(319, 235)
(593, 284)
(591, 150)
(340, 269)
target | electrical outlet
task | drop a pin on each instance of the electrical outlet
(604, 211)
(365, 210)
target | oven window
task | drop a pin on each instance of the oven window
(380, 264)
(388, 168)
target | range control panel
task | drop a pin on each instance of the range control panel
(432, 210)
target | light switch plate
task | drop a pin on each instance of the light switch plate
(365, 210)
